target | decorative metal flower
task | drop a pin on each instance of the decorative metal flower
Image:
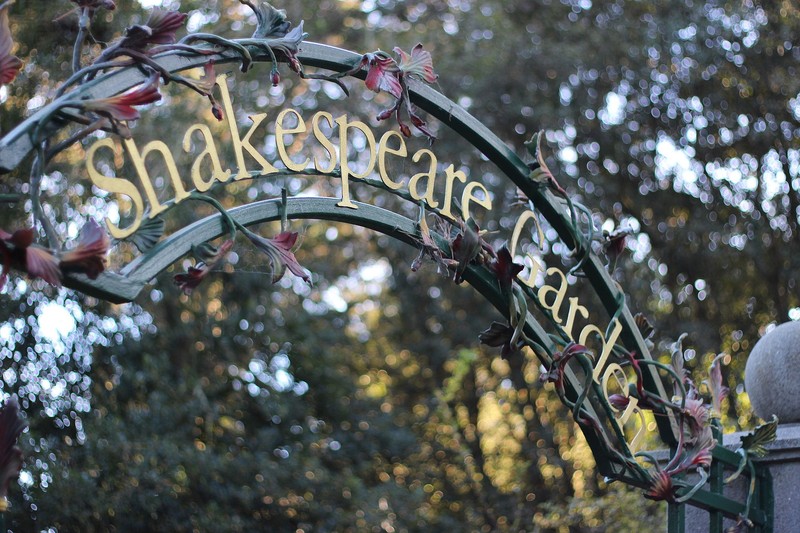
(89, 256)
(10, 64)
(383, 74)
(160, 28)
(289, 45)
(698, 454)
(505, 269)
(619, 401)
(718, 391)
(661, 487)
(18, 251)
(196, 274)
(500, 335)
(121, 107)
(205, 86)
(466, 247)
(555, 374)
(419, 64)
(192, 278)
(428, 246)
(279, 252)
(614, 244)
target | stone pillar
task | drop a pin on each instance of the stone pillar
(772, 374)
(772, 380)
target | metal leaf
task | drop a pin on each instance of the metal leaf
(271, 22)
(644, 325)
(756, 441)
(148, 234)
(533, 144)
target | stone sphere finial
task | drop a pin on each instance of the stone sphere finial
(772, 374)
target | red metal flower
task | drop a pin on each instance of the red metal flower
(10, 64)
(428, 246)
(500, 335)
(466, 247)
(196, 274)
(205, 86)
(697, 413)
(89, 256)
(614, 243)
(418, 64)
(702, 457)
(555, 374)
(718, 391)
(41, 263)
(661, 487)
(216, 110)
(192, 278)
(120, 107)
(279, 252)
(505, 268)
(619, 401)
(164, 24)
(699, 453)
(18, 251)
(383, 74)
(289, 45)
(159, 29)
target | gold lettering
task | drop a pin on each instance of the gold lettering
(138, 160)
(383, 149)
(431, 175)
(515, 236)
(240, 144)
(451, 174)
(635, 444)
(280, 131)
(607, 344)
(115, 186)
(574, 308)
(560, 293)
(344, 165)
(210, 152)
(536, 267)
(468, 196)
(523, 218)
(324, 141)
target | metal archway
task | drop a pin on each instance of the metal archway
(126, 284)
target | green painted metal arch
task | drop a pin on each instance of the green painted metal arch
(16, 145)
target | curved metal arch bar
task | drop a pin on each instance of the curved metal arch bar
(127, 285)
(17, 144)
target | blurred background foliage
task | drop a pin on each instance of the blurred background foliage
(365, 403)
